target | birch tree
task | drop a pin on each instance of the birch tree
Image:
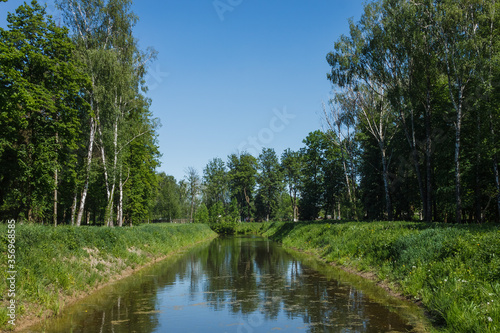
(103, 32)
(458, 25)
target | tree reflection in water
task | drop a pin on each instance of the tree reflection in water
(234, 284)
(248, 275)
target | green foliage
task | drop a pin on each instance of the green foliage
(252, 228)
(270, 181)
(201, 215)
(415, 80)
(60, 98)
(41, 91)
(167, 198)
(453, 270)
(224, 228)
(322, 176)
(233, 214)
(291, 166)
(242, 180)
(215, 183)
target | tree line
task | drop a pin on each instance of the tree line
(306, 183)
(411, 131)
(78, 141)
(416, 109)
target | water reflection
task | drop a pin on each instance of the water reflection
(243, 284)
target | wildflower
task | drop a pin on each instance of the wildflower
(489, 319)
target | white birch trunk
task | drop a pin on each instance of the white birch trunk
(87, 176)
(73, 209)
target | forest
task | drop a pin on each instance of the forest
(78, 141)
(410, 132)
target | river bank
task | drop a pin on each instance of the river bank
(451, 270)
(56, 266)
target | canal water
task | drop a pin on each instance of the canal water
(238, 284)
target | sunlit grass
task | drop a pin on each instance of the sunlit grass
(53, 263)
(454, 270)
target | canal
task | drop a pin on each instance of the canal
(238, 284)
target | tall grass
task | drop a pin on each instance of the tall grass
(454, 270)
(53, 263)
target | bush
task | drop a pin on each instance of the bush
(224, 228)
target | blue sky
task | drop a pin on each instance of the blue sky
(235, 75)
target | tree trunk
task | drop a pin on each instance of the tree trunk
(428, 152)
(492, 127)
(115, 166)
(477, 190)
(192, 210)
(422, 192)
(73, 209)
(385, 175)
(292, 202)
(458, 196)
(495, 164)
(119, 209)
(55, 197)
(414, 157)
(350, 192)
(107, 213)
(55, 185)
(87, 171)
(247, 199)
(497, 182)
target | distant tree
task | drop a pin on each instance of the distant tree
(242, 180)
(233, 214)
(216, 213)
(201, 215)
(322, 181)
(312, 191)
(167, 203)
(270, 181)
(292, 164)
(194, 187)
(341, 130)
(215, 183)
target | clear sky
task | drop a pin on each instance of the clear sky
(234, 75)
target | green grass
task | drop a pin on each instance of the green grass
(53, 263)
(454, 270)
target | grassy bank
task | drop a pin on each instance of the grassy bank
(55, 265)
(453, 270)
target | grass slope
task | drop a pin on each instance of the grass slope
(454, 270)
(54, 264)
